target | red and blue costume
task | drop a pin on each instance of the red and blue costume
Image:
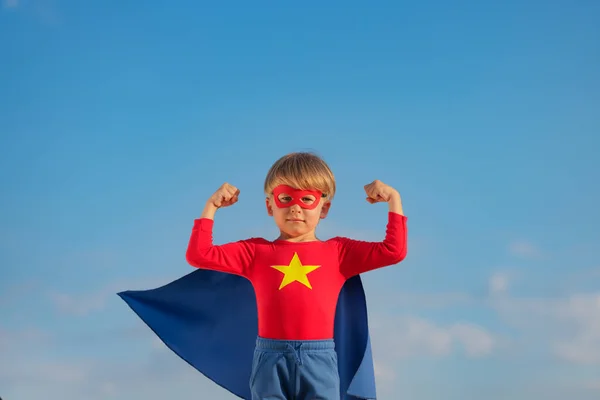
(281, 290)
(296, 284)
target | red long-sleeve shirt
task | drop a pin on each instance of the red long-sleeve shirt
(297, 284)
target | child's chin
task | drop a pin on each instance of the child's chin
(295, 232)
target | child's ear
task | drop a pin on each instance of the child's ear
(325, 209)
(269, 207)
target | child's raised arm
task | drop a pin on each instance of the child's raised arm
(234, 258)
(358, 256)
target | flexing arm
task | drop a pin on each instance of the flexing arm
(234, 257)
(358, 256)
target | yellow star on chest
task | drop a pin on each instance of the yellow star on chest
(295, 271)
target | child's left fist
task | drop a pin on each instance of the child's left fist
(378, 191)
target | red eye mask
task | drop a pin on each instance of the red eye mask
(296, 196)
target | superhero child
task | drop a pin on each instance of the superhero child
(297, 277)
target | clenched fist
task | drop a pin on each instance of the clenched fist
(378, 191)
(225, 196)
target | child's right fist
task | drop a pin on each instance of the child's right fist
(225, 196)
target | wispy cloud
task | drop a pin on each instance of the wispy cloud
(498, 283)
(87, 303)
(568, 326)
(32, 368)
(80, 305)
(10, 339)
(415, 300)
(154, 377)
(401, 340)
(411, 336)
(525, 249)
(383, 372)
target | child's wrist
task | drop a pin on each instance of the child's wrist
(395, 203)
(209, 210)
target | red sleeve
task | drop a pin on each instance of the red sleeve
(234, 258)
(358, 256)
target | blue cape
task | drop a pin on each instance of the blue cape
(209, 319)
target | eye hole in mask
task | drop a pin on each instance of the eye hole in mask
(287, 196)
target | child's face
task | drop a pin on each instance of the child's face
(297, 212)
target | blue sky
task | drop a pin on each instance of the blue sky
(118, 120)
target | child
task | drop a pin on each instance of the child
(297, 277)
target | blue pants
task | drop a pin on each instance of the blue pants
(295, 370)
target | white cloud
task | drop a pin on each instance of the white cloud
(23, 360)
(582, 345)
(151, 378)
(409, 336)
(11, 339)
(381, 299)
(33, 369)
(402, 340)
(566, 327)
(477, 341)
(525, 249)
(569, 326)
(383, 372)
(85, 304)
(79, 305)
(498, 283)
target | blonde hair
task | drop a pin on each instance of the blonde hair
(303, 171)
